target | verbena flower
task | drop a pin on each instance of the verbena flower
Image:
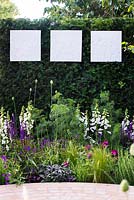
(4, 158)
(27, 148)
(6, 177)
(44, 142)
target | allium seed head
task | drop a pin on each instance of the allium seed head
(124, 185)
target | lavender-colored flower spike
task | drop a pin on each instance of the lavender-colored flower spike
(22, 132)
(12, 127)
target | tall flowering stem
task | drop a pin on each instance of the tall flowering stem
(30, 92)
(127, 127)
(26, 122)
(4, 130)
(35, 90)
(83, 118)
(51, 90)
(15, 110)
(99, 123)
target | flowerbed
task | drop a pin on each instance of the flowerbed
(66, 144)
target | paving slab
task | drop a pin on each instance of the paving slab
(64, 191)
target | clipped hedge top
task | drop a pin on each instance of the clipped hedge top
(81, 81)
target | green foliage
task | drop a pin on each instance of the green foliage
(65, 161)
(131, 8)
(72, 153)
(67, 9)
(96, 168)
(117, 8)
(102, 165)
(124, 169)
(128, 47)
(64, 118)
(82, 81)
(2, 171)
(7, 9)
(53, 154)
(83, 171)
(16, 172)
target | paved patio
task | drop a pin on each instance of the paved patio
(64, 191)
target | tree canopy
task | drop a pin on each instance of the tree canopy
(7, 9)
(89, 8)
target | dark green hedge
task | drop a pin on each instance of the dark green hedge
(82, 81)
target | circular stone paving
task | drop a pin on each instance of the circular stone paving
(64, 191)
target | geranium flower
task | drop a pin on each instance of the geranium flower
(89, 155)
(105, 144)
(66, 164)
(88, 147)
(114, 152)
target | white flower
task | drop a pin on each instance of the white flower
(3, 141)
(109, 132)
(92, 120)
(26, 120)
(127, 122)
(98, 120)
(93, 128)
(132, 136)
(7, 147)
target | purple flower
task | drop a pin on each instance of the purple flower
(127, 129)
(20, 153)
(71, 179)
(87, 147)
(114, 153)
(44, 142)
(12, 127)
(27, 148)
(22, 132)
(6, 177)
(66, 164)
(105, 144)
(4, 158)
(34, 150)
(89, 155)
